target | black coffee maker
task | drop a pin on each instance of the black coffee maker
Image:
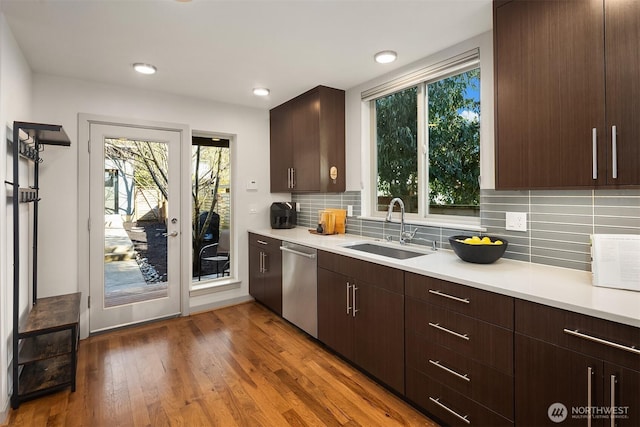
(283, 215)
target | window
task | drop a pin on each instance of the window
(211, 203)
(427, 142)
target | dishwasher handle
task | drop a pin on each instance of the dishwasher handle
(285, 249)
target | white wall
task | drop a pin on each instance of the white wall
(15, 104)
(357, 132)
(59, 100)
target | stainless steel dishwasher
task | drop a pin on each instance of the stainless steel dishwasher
(300, 287)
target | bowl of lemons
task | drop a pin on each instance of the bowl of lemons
(478, 249)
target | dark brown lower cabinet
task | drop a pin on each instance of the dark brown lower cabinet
(361, 315)
(459, 352)
(574, 369)
(265, 271)
(451, 407)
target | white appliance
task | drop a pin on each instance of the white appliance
(616, 261)
(300, 287)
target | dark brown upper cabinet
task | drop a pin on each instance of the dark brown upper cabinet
(567, 96)
(307, 143)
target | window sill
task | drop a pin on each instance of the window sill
(213, 286)
(463, 225)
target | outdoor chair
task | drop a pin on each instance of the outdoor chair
(220, 255)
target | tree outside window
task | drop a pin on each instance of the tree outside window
(452, 138)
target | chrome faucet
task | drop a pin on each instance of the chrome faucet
(404, 235)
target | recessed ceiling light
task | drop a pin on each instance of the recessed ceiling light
(260, 91)
(144, 68)
(385, 57)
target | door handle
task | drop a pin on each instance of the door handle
(172, 234)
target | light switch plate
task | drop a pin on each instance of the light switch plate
(516, 221)
(349, 210)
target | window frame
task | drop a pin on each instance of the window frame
(455, 65)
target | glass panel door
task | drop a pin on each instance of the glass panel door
(134, 235)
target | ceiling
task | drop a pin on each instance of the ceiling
(220, 50)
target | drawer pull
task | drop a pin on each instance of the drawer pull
(437, 326)
(442, 294)
(449, 370)
(262, 242)
(451, 411)
(578, 334)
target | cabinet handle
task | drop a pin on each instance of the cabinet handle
(290, 178)
(354, 310)
(263, 257)
(451, 411)
(260, 268)
(614, 152)
(348, 306)
(293, 177)
(449, 331)
(442, 294)
(594, 148)
(576, 333)
(613, 401)
(449, 370)
(589, 389)
(262, 242)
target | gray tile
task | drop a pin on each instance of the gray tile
(581, 247)
(628, 211)
(516, 256)
(616, 230)
(562, 228)
(563, 209)
(502, 193)
(575, 265)
(632, 201)
(610, 221)
(561, 193)
(504, 207)
(617, 193)
(560, 218)
(552, 236)
(562, 201)
(560, 254)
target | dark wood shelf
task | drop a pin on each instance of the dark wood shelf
(52, 314)
(45, 375)
(41, 347)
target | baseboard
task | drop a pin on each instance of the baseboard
(221, 304)
(4, 412)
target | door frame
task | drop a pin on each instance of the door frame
(84, 124)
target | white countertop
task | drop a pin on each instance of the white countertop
(553, 286)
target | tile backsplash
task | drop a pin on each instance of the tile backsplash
(559, 223)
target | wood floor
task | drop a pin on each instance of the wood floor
(237, 366)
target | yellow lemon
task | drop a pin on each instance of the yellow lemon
(498, 242)
(486, 240)
(475, 239)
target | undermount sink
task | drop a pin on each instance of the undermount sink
(388, 251)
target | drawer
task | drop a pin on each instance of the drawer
(488, 386)
(548, 324)
(377, 275)
(447, 405)
(484, 305)
(481, 341)
(263, 241)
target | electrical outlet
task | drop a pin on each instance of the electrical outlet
(516, 221)
(349, 210)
